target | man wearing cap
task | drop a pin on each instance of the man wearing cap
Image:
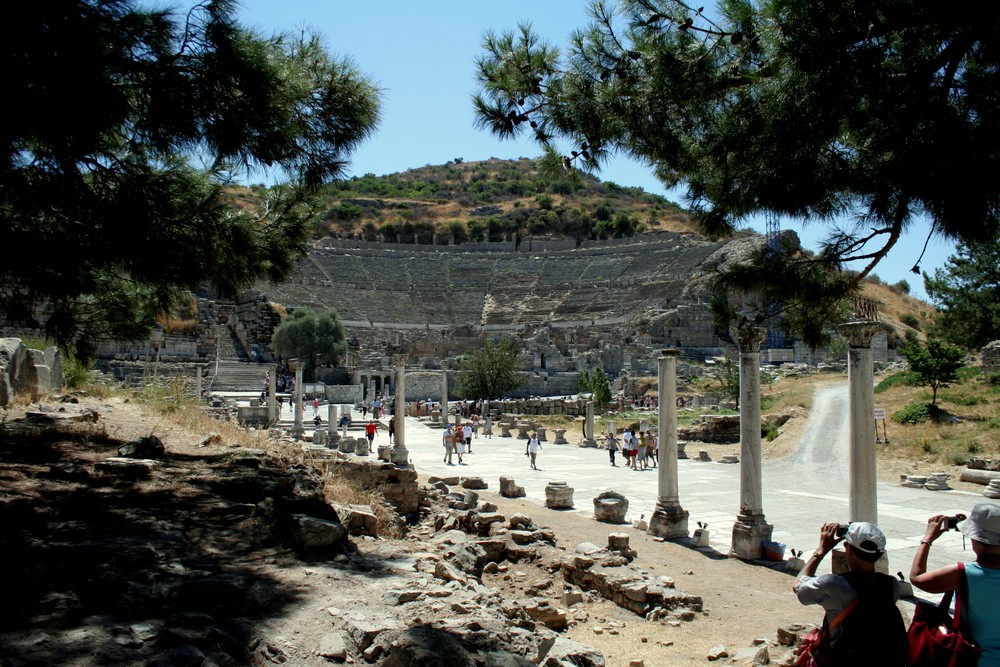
(982, 609)
(864, 544)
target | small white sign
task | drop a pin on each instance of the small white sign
(879, 413)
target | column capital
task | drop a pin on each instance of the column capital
(859, 333)
(400, 359)
(670, 352)
(749, 337)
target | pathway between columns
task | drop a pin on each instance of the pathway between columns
(800, 492)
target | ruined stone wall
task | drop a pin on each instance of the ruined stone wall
(398, 485)
(29, 372)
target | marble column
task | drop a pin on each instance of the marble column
(444, 399)
(198, 370)
(863, 498)
(297, 429)
(669, 519)
(272, 400)
(331, 422)
(750, 528)
(400, 455)
(588, 429)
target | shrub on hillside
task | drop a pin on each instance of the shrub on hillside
(902, 378)
(910, 320)
(916, 413)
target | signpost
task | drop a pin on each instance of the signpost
(879, 414)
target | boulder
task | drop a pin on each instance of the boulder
(357, 519)
(148, 447)
(312, 534)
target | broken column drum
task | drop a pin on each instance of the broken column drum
(558, 495)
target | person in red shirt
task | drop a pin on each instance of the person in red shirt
(370, 430)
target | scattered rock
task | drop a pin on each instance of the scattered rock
(717, 653)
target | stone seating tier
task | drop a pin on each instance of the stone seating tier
(448, 286)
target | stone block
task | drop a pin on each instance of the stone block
(558, 495)
(610, 507)
(508, 489)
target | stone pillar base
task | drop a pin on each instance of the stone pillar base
(669, 521)
(298, 432)
(558, 496)
(749, 531)
(587, 442)
(400, 456)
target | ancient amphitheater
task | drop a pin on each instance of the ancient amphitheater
(657, 282)
(569, 306)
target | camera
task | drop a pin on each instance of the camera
(953, 521)
(842, 529)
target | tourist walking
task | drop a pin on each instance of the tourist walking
(467, 434)
(392, 428)
(640, 452)
(627, 451)
(488, 427)
(652, 448)
(459, 444)
(370, 430)
(531, 450)
(448, 440)
(981, 605)
(612, 443)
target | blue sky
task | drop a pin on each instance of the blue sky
(422, 54)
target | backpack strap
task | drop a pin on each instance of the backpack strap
(960, 622)
(845, 612)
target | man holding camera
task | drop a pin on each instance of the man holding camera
(862, 623)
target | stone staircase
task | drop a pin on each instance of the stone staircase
(229, 348)
(230, 375)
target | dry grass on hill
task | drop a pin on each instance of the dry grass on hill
(900, 311)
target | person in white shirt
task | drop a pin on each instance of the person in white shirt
(467, 434)
(531, 450)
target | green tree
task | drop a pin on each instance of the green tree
(492, 370)
(597, 384)
(880, 111)
(837, 349)
(131, 124)
(967, 294)
(727, 374)
(315, 338)
(936, 364)
(902, 286)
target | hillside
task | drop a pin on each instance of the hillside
(490, 200)
(905, 315)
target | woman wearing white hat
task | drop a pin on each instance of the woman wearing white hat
(983, 576)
